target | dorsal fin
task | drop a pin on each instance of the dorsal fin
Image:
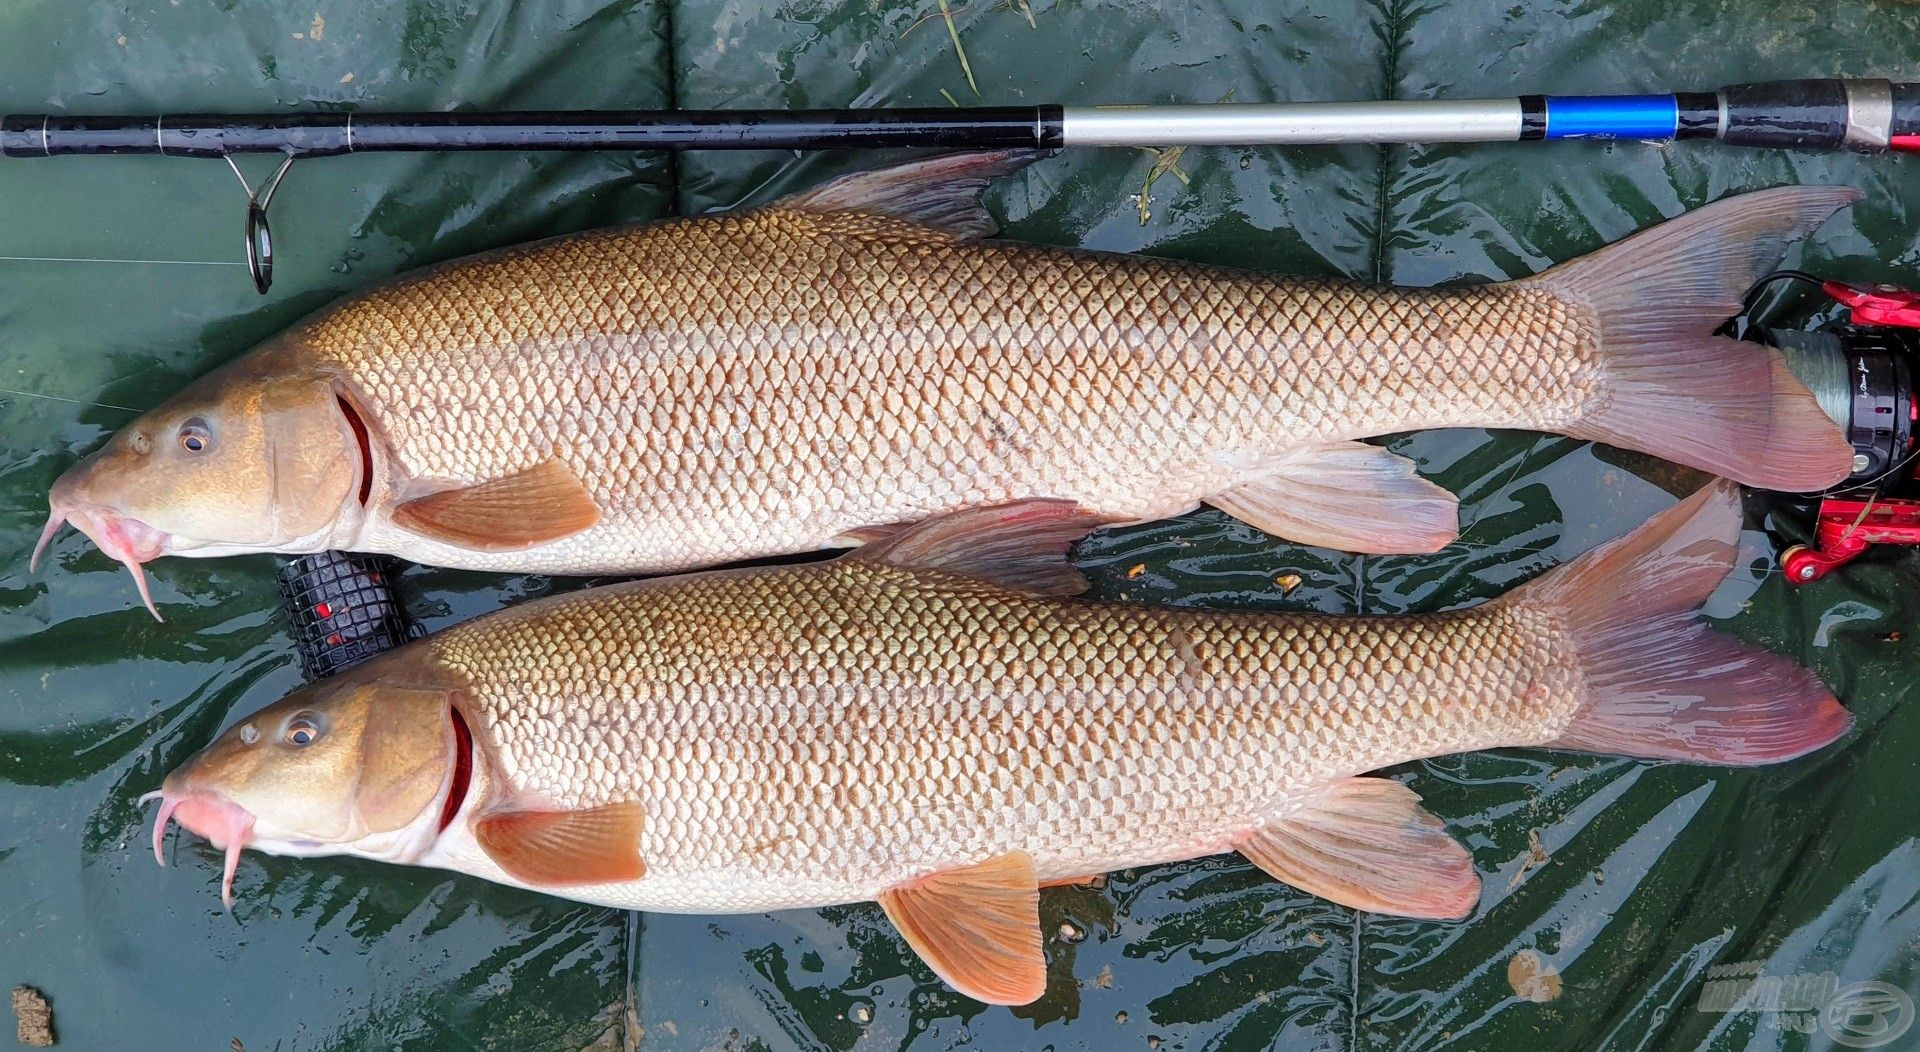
(1020, 545)
(941, 192)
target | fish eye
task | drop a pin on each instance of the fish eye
(194, 436)
(303, 729)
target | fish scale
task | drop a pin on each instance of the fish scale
(821, 733)
(768, 381)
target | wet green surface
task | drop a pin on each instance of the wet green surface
(1651, 874)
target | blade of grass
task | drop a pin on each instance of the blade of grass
(953, 33)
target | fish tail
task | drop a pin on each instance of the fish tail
(1673, 389)
(1656, 683)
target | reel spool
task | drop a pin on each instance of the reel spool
(1863, 375)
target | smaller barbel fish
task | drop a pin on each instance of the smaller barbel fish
(927, 723)
(826, 369)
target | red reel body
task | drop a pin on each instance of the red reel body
(1880, 502)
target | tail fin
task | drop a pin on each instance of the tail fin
(1674, 390)
(1657, 683)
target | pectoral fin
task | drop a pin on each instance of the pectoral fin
(1346, 495)
(977, 927)
(1367, 843)
(553, 849)
(541, 504)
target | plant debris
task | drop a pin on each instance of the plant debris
(35, 1015)
(1536, 856)
(953, 33)
(1165, 162)
(1532, 977)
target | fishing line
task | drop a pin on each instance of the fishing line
(144, 262)
(73, 401)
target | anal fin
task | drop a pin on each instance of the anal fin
(541, 504)
(977, 927)
(557, 849)
(1367, 843)
(1351, 496)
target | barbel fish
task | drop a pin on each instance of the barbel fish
(928, 722)
(820, 371)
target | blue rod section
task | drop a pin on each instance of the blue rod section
(1612, 116)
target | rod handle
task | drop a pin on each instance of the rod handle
(1867, 116)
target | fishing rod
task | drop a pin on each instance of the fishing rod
(1869, 116)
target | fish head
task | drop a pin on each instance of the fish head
(242, 461)
(356, 768)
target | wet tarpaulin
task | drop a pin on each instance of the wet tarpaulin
(1627, 904)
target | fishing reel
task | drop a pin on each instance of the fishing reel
(1863, 374)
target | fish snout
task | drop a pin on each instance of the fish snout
(223, 823)
(122, 537)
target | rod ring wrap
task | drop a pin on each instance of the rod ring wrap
(1869, 115)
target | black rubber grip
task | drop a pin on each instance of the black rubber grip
(1787, 114)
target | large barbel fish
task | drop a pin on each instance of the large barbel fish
(817, 372)
(927, 723)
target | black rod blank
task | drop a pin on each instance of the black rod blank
(330, 134)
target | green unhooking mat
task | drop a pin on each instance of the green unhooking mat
(1621, 897)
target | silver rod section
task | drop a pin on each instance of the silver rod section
(1294, 123)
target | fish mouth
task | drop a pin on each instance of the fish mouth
(222, 822)
(122, 537)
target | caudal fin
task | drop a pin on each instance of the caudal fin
(1658, 684)
(1673, 389)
